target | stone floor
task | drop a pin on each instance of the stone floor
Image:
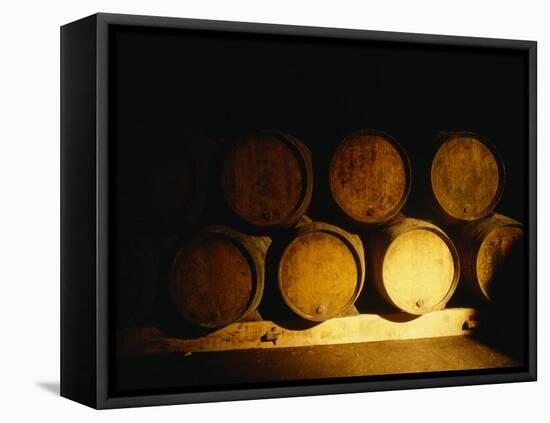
(318, 362)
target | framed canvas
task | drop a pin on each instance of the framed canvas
(258, 211)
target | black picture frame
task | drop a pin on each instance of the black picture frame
(85, 220)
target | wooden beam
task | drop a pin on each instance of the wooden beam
(266, 334)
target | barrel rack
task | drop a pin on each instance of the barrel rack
(269, 335)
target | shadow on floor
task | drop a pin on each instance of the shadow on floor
(51, 387)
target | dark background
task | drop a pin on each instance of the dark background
(225, 84)
(319, 90)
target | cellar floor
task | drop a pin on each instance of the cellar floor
(316, 362)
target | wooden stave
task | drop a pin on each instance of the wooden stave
(408, 179)
(469, 238)
(434, 209)
(253, 247)
(354, 244)
(379, 244)
(303, 155)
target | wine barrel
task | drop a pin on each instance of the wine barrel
(321, 271)
(483, 247)
(369, 177)
(415, 265)
(267, 179)
(466, 177)
(218, 277)
(136, 281)
(164, 186)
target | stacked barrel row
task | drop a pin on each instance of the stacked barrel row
(415, 265)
